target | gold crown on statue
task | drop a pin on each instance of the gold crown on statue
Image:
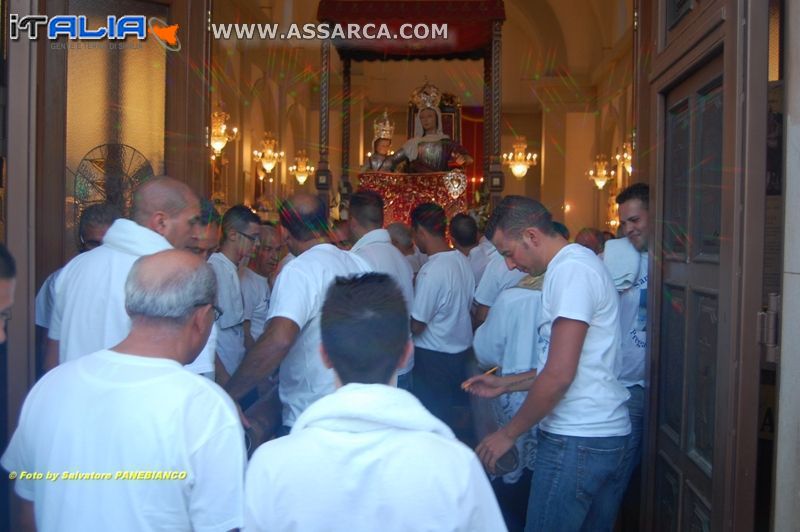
(428, 95)
(383, 127)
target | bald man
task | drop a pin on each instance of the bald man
(292, 337)
(89, 312)
(135, 441)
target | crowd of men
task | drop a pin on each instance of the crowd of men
(162, 334)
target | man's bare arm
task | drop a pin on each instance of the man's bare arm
(479, 315)
(50, 355)
(26, 522)
(264, 357)
(417, 327)
(549, 387)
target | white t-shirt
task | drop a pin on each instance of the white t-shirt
(255, 295)
(230, 342)
(577, 286)
(416, 260)
(633, 323)
(117, 414)
(496, 278)
(479, 257)
(45, 300)
(298, 295)
(368, 457)
(442, 300)
(377, 250)
(89, 312)
(508, 337)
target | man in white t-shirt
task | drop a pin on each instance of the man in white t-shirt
(634, 218)
(291, 339)
(125, 438)
(497, 276)
(374, 245)
(464, 235)
(440, 317)
(575, 397)
(89, 311)
(92, 226)
(368, 456)
(255, 281)
(402, 240)
(240, 234)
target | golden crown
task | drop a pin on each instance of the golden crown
(428, 95)
(383, 127)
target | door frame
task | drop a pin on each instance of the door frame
(664, 62)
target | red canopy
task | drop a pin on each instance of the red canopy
(469, 27)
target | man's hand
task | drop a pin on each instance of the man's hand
(483, 385)
(493, 447)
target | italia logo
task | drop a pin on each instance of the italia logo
(77, 28)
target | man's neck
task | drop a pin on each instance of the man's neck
(154, 341)
(302, 247)
(465, 249)
(437, 245)
(231, 253)
(553, 246)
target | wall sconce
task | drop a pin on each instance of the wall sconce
(300, 169)
(220, 135)
(519, 161)
(624, 159)
(600, 173)
(269, 155)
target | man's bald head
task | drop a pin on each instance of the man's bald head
(169, 287)
(168, 207)
(305, 216)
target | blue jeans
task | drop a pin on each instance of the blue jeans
(605, 510)
(569, 474)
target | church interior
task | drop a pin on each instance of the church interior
(563, 101)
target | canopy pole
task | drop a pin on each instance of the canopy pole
(346, 95)
(322, 178)
(496, 183)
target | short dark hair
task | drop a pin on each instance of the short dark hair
(364, 327)
(431, 216)
(561, 229)
(516, 213)
(302, 225)
(640, 191)
(238, 217)
(208, 213)
(366, 206)
(98, 215)
(8, 266)
(464, 230)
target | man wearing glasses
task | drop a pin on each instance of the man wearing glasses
(240, 235)
(128, 438)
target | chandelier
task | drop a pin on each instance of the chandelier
(220, 135)
(624, 158)
(519, 161)
(600, 173)
(300, 169)
(268, 155)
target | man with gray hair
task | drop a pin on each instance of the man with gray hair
(89, 312)
(128, 439)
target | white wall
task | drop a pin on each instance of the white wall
(787, 465)
(578, 190)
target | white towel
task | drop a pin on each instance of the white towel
(622, 261)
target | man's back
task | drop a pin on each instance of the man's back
(164, 446)
(298, 296)
(377, 250)
(368, 457)
(89, 312)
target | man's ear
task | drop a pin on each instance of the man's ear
(158, 222)
(326, 360)
(532, 236)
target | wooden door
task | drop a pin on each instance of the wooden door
(701, 113)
